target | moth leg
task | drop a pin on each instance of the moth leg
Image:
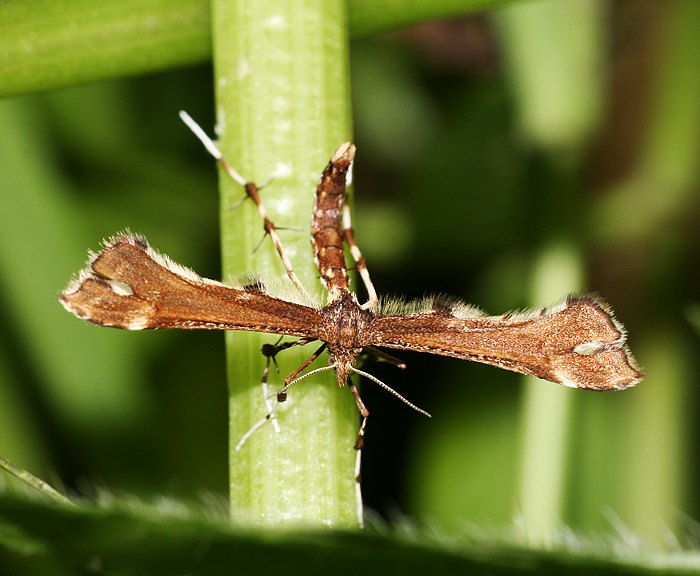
(252, 192)
(270, 352)
(294, 377)
(265, 393)
(382, 356)
(360, 262)
(359, 444)
(253, 429)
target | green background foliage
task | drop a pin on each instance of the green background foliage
(506, 157)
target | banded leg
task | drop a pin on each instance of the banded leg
(265, 393)
(359, 444)
(360, 262)
(294, 377)
(270, 352)
(252, 192)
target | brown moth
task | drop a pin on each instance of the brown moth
(577, 342)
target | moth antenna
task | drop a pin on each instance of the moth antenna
(390, 390)
(283, 391)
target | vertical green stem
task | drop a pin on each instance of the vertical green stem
(662, 190)
(554, 52)
(547, 409)
(282, 96)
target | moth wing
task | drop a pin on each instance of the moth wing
(577, 343)
(129, 285)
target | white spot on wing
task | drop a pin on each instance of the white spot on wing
(562, 378)
(589, 348)
(137, 323)
(120, 288)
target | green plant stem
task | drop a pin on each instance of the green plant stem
(376, 16)
(31, 480)
(282, 108)
(46, 44)
(663, 184)
(546, 410)
(558, 95)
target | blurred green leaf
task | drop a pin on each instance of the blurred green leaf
(46, 44)
(171, 538)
